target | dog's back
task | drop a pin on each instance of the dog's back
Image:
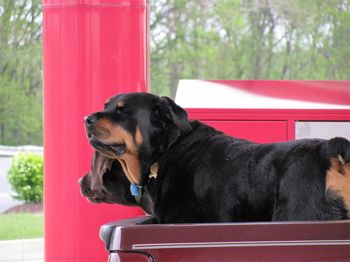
(209, 176)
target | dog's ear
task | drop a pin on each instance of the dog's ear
(170, 113)
(100, 164)
(171, 119)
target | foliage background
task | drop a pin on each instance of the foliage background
(26, 177)
(20, 72)
(200, 39)
(248, 39)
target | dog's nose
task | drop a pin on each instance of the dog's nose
(90, 120)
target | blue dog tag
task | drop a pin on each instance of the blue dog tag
(134, 190)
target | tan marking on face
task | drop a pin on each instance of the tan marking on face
(131, 167)
(130, 159)
(120, 104)
(103, 128)
(138, 137)
(338, 180)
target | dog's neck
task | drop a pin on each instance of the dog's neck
(137, 190)
(152, 172)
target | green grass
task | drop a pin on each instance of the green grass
(18, 226)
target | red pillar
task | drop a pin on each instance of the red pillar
(93, 49)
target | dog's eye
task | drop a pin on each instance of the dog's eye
(120, 108)
(120, 111)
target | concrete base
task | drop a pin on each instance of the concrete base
(28, 250)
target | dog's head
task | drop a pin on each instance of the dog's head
(106, 183)
(135, 129)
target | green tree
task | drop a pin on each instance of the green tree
(248, 39)
(26, 177)
(20, 72)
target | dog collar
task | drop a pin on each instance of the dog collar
(137, 190)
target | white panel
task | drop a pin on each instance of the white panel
(324, 130)
(204, 94)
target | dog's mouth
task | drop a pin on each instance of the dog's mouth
(119, 149)
(115, 148)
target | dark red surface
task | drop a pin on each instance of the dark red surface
(145, 237)
(122, 256)
(283, 241)
(256, 131)
(255, 254)
(230, 118)
(92, 50)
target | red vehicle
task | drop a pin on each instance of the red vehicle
(311, 109)
(313, 241)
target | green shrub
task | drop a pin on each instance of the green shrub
(26, 177)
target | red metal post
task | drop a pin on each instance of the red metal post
(92, 49)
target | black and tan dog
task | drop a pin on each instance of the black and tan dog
(186, 171)
(107, 183)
